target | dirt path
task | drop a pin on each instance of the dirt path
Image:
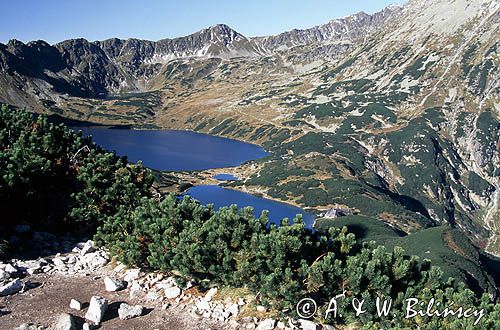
(52, 296)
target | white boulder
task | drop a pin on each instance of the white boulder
(136, 291)
(210, 294)
(11, 270)
(11, 287)
(75, 304)
(97, 308)
(261, 309)
(308, 325)
(267, 324)
(112, 284)
(65, 321)
(127, 311)
(172, 292)
(88, 247)
(4, 275)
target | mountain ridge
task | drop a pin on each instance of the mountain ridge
(397, 120)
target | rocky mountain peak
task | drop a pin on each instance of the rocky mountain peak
(224, 31)
(348, 28)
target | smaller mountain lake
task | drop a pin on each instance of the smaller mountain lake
(220, 196)
(173, 150)
(226, 177)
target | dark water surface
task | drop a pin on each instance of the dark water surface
(172, 150)
(219, 196)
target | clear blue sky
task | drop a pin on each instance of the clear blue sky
(57, 20)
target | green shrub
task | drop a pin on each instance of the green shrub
(285, 263)
(44, 180)
(52, 178)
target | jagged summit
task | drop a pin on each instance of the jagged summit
(347, 28)
(220, 40)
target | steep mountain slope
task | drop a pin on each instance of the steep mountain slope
(330, 39)
(96, 69)
(394, 116)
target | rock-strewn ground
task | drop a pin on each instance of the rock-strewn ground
(84, 289)
(41, 306)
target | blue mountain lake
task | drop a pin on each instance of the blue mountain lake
(172, 150)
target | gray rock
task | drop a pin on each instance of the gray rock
(119, 268)
(72, 260)
(58, 261)
(233, 309)
(308, 325)
(34, 270)
(75, 304)
(127, 311)
(93, 260)
(112, 284)
(30, 326)
(65, 321)
(10, 269)
(88, 247)
(4, 275)
(203, 305)
(4, 311)
(11, 287)
(267, 324)
(247, 319)
(136, 291)
(132, 275)
(261, 309)
(97, 308)
(152, 295)
(172, 292)
(210, 294)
